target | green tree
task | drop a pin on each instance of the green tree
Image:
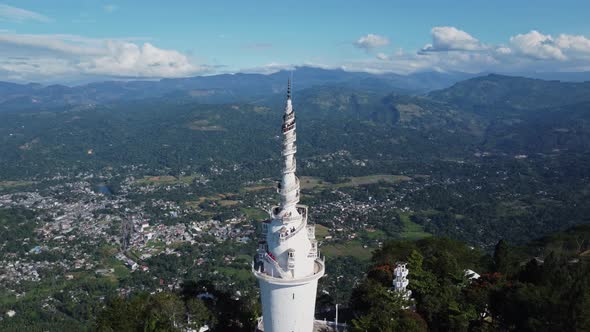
(378, 308)
(422, 282)
(198, 314)
(502, 257)
(164, 312)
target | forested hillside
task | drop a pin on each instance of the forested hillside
(543, 286)
(518, 156)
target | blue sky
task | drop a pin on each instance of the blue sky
(81, 40)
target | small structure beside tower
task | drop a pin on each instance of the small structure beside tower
(400, 280)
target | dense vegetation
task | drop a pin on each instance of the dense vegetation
(516, 291)
(196, 305)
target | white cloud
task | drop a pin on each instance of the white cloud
(452, 39)
(573, 45)
(54, 58)
(132, 60)
(456, 50)
(503, 50)
(269, 68)
(371, 41)
(565, 49)
(536, 45)
(66, 44)
(35, 57)
(407, 63)
(19, 15)
(382, 56)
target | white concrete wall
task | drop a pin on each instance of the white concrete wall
(300, 243)
(288, 308)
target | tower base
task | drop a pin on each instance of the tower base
(288, 304)
(318, 326)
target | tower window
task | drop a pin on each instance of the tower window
(293, 296)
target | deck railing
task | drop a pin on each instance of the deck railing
(291, 234)
(276, 265)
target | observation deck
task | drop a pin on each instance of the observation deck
(318, 272)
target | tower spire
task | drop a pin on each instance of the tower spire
(289, 183)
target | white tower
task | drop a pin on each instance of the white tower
(288, 265)
(400, 281)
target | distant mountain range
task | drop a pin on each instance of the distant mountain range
(493, 112)
(229, 87)
(216, 88)
(55, 126)
(497, 93)
(502, 114)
